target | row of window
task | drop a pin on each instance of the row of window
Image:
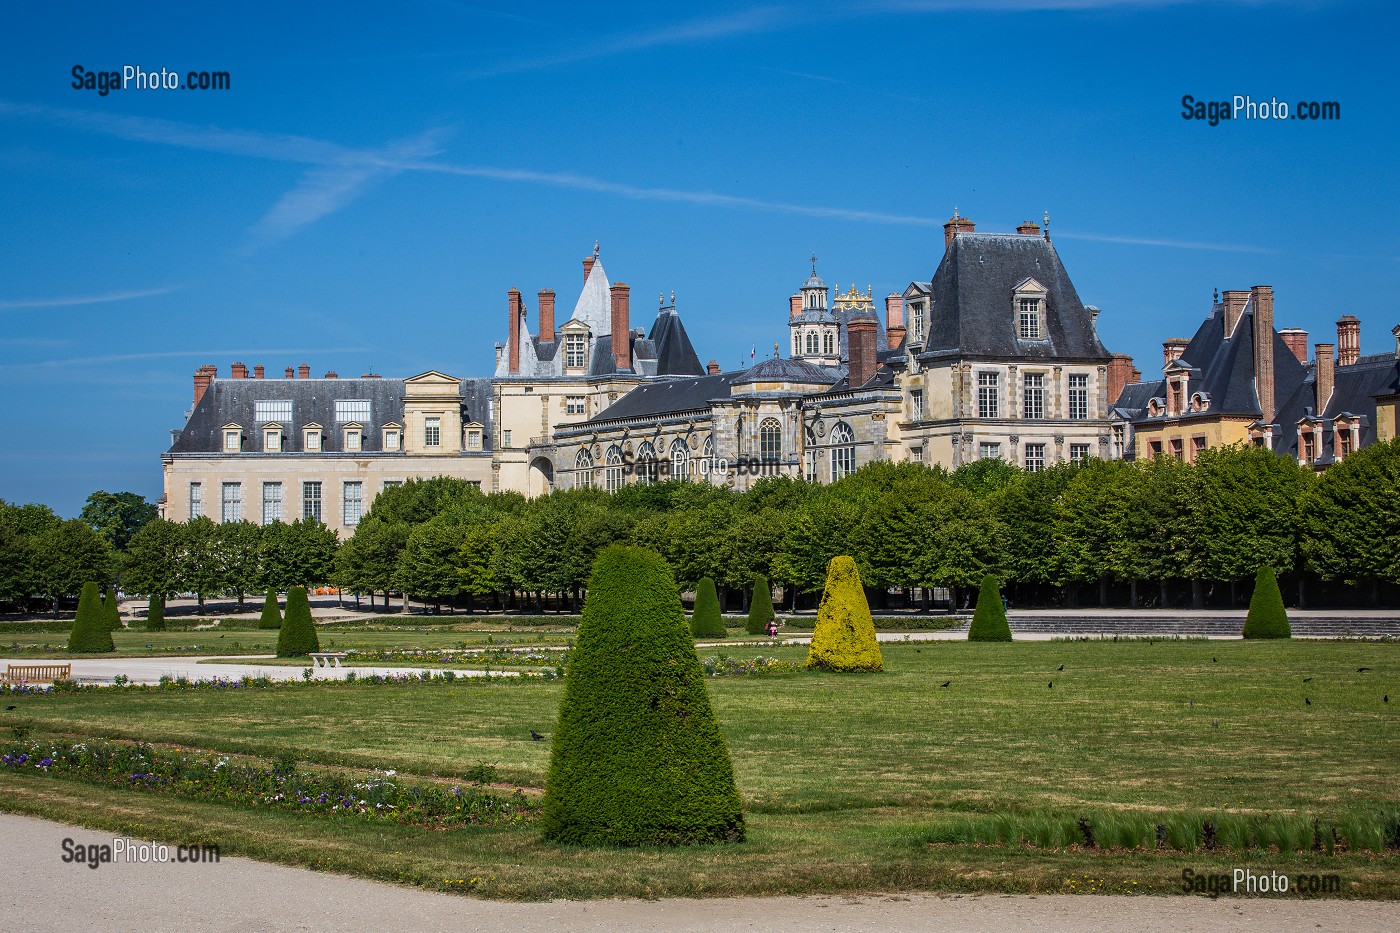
(824, 343)
(1176, 447)
(1030, 319)
(1032, 396)
(231, 508)
(346, 410)
(352, 437)
(1033, 454)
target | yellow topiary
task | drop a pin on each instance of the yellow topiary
(844, 639)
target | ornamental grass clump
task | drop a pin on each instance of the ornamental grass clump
(844, 637)
(298, 635)
(90, 632)
(989, 620)
(637, 757)
(271, 616)
(760, 607)
(1267, 618)
(155, 614)
(706, 620)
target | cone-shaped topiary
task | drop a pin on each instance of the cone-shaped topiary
(638, 758)
(271, 616)
(298, 634)
(155, 614)
(989, 621)
(90, 632)
(110, 612)
(1267, 618)
(706, 621)
(760, 607)
(844, 637)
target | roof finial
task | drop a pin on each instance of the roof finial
(661, 300)
(775, 351)
(1047, 226)
(1215, 297)
(814, 263)
(955, 212)
(673, 296)
(595, 249)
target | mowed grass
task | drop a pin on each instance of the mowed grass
(842, 776)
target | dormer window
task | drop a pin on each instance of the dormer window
(471, 436)
(312, 438)
(1028, 305)
(575, 351)
(1154, 407)
(393, 436)
(916, 322)
(233, 438)
(354, 437)
(272, 438)
(1028, 324)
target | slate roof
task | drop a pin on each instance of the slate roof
(654, 399)
(231, 401)
(972, 295)
(776, 369)
(674, 354)
(1354, 391)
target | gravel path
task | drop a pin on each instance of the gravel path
(151, 670)
(41, 892)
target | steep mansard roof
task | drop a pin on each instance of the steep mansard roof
(972, 298)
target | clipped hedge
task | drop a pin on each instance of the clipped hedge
(110, 612)
(90, 632)
(155, 614)
(271, 616)
(298, 635)
(707, 621)
(1267, 618)
(844, 637)
(637, 757)
(989, 620)
(760, 607)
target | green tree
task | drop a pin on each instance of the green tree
(240, 558)
(201, 571)
(1351, 518)
(298, 635)
(637, 756)
(963, 541)
(760, 607)
(90, 632)
(989, 620)
(844, 637)
(1267, 618)
(154, 560)
(367, 561)
(706, 620)
(70, 554)
(476, 562)
(428, 566)
(1243, 505)
(271, 617)
(299, 554)
(117, 516)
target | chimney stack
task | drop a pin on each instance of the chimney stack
(238, 371)
(290, 373)
(894, 320)
(1296, 339)
(955, 226)
(258, 371)
(202, 377)
(794, 306)
(546, 297)
(1121, 372)
(332, 374)
(588, 267)
(1173, 348)
(1262, 297)
(860, 340)
(1325, 376)
(713, 368)
(1028, 228)
(621, 326)
(1348, 340)
(1233, 302)
(514, 313)
(304, 371)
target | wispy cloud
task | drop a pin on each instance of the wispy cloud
(1169, 243)
(75, 300)
(106, 369)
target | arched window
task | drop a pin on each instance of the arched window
(796, 344)
(829, 343)
(583, 470)
(843, 451)
(812, 342)
(646, 463)
(810, 457)
(770, 440)
(612, 473)
(680, 459)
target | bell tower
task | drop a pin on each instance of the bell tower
(816, 334)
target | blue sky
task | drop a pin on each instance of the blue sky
(379, 175)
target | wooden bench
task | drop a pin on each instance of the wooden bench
(37, 673)
(327, 658)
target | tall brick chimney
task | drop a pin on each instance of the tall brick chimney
(1348, 340)
(712, 367)
(588, 267)
(1120, 373)
(304, 371)
(1172, 349)
(1325, 374)
(258, 371)
(332, 374)
(894, 320)
(202, 377)
(794, 306)
(954, 226)
(515, 309)
(546, 297)
(1262, 296)
(1029, 228)
(860, 340)
(290, 373)
(238, 371)
(621, 325)
(1233, 302)
(1296, 340)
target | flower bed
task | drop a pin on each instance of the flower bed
(352, 679)
(724, 666)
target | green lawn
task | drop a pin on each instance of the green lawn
(842, 776)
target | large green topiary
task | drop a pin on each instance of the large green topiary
(90, 632)
(111, 613)
(638, 758)
(706, 621)
(298, 635)
(1267, 618)
(989, 620)
(155, 614)
(844, 637)
(760, 607)
(271, 616)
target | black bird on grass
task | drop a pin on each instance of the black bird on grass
(1050, 685)
(946, 683)
(1362, 670)
(536, 736)
(1060, 668)
(1384, 699)
(1306, 679)
(8, 708)
(1307, 702)
(1215, 660)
